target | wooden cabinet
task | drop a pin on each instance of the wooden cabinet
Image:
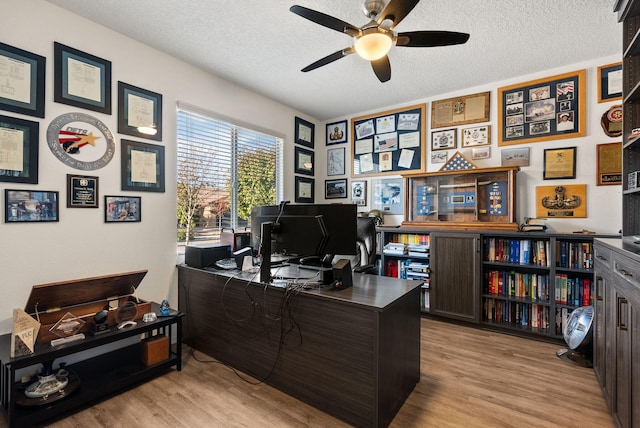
(617, 340)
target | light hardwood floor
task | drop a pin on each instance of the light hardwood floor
(469, 378)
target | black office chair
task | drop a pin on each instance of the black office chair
(366, 241)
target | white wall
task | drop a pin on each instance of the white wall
(81, 245)
(604, 203)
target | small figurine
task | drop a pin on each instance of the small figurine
(164, 307)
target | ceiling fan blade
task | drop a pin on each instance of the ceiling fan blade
(396, 11)
(325, 20)
(329, 59)
(382, 68)
(427, 39)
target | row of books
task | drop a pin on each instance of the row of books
(574, 255)
(410, 238)
(517, 284)
(517, 313)
(408, 269)
(412, 250)
(424, 299)
(572, 291)
(562, 315)
(517, 251)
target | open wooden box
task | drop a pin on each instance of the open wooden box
(83, 298)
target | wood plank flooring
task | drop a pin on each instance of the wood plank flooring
(469, 378)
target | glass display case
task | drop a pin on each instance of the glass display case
(463, 199)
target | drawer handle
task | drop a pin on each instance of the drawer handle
(599, 288)
(599, 257)
(622, 315)
(625, 273)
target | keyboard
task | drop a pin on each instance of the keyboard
(229, 263)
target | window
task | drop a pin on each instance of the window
(223, 171)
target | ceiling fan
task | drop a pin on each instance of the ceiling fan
(373, 40)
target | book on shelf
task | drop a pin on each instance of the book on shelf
(395, 249)
(533, 225)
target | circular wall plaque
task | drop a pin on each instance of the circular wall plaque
(612, 121)
(81, 141)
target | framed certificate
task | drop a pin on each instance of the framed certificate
(142, 166)
(139, 112)
(22, 88)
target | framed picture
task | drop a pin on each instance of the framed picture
(359, 192)
(480, 152)
(439, 157)
(22, 206)
(82, 191)
(559, 163)
(515, 157)
(139, 112)
(391, 142)
(335, 161)
(552, 108)
(142, 166)
(304, 133)
(609, 164)
(387, 195)
(337, 132)
(119, 209)
(23, 88)
(610, 82)
(443, 140)
(460, 110)
(335, 188)
(562, 201)
(81, 79)
(304, 190)
(19, 150)
(304, 160)
(476, 136)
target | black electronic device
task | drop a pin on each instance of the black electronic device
(202, 256)
(241, 254)
(303, 230)
(342, 276)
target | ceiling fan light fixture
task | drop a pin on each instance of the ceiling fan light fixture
(374, 44)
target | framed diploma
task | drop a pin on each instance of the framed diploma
(139, 112)
(304, 132)
(82, 191)
(559, 163)
(610, 82)
(81, 79)
(304, 161)
(22, 77)
(18, 150)
(304, 190)
(142, 166)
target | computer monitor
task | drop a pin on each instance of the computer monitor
(303, 230)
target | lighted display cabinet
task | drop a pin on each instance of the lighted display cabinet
(468, 199)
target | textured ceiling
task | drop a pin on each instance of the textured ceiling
(262, 46)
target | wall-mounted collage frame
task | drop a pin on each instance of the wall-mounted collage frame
(22, 89)
(142, 166)
(81, 79)
(545, 109)
(389, 142)
(27, 206)
(19, 143)
(122, 209)
(305, 189)
(139, 112)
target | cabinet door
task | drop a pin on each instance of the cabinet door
(455, 290)
(602, 340)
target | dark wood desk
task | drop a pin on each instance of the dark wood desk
(352, 353)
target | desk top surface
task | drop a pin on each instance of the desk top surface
(367, 290)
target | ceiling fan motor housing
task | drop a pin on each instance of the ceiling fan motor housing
(373, 8)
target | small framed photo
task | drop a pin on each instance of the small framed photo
(476, 136)
(119, 209)
(22, 89)
(335, 161)
(515, 157)
(142, 166)
(359, 192)
(439, 157)
(480, 152)
(610, 82)
(442, 140)
(559, 163)
(304, 160)
(24, 206)
(139, 112)
(305, 188)
(334, 189)
(18, 150)
(82, 191)
(89, 89)
(304, 133)
(337, 132)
